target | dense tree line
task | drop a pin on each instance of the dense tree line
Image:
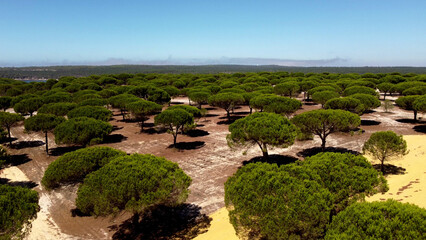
(84, 71)
(140, 96)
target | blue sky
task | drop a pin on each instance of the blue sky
(314, 33)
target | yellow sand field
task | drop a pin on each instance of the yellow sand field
(411, 186)
(220, 227)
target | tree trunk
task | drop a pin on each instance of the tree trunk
(174, 139)
(47, 144)
(251, 110)
(323, 144)
(265, 151)
(384, 96)
(31, 114)
(142, 123)
(382, 166)
(10, 138)
(122, 113)
(135, 219)
(415, 115)
(228, 115)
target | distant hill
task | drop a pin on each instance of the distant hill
(82, 71)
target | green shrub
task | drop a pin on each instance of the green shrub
(58, 109)
(297, 200)
(346, 103)
(18, 206)
(94, 102)
(81, 131)
(348, 177)
(359, 89)
(133, 183)
(190, 109)
(96, 112)
(379, 220)
(369, 101)
(266, 202)
(73, 167)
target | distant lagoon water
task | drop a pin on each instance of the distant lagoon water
(34, 80)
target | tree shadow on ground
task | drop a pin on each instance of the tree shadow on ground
(188, 145)
(369, 111)
(356, 130)
(200, 125)
(75, 212)
(115, 128)
(6, 140)
(181, 222)
(155, 130)
(114, 138)
(25, 184)
(210, 108)
(315, 150)
(176, 103)
(116, 114)
(420, 128)
(242, 113)
(27, 144)
(148, 125)
(369, 123)
(59, 151)
(226, 121)
(16, 160)
(196, 133)
(389, 169)
(128, 120)
(411, 121)
(274, 158)
(310, 103)
(211, 115)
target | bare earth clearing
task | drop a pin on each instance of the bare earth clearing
(204, 155)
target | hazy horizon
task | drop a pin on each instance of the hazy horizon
(300, 33)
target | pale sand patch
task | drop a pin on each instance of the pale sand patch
(43, 227)
(220, 227)
(14, 174)
(411, 186)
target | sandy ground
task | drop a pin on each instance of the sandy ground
(411, 186)
(14, 174)
(204, 156)
(220, 227)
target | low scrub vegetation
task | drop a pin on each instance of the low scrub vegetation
(73, 167)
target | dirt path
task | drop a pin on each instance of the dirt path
(205, 156)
